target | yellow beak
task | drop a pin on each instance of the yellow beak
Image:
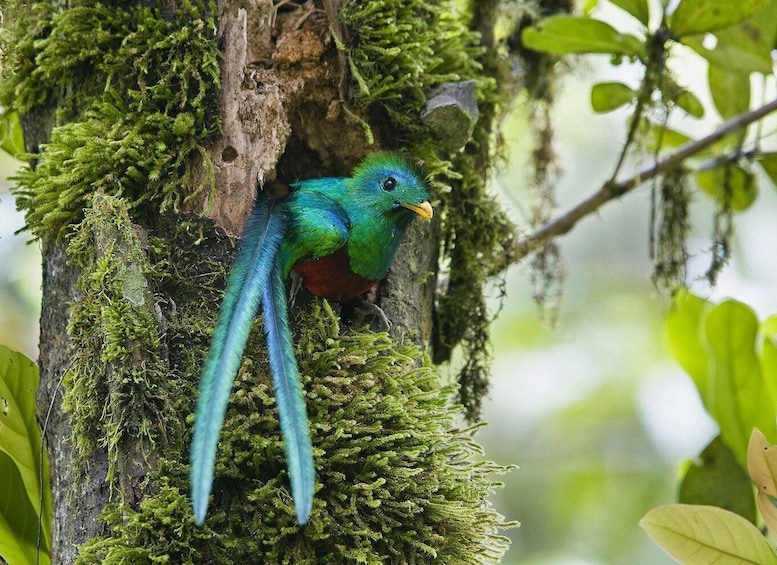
(423, 209)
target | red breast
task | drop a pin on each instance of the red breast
(331, 277)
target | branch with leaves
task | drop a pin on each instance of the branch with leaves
(729, 354)
(612, 189)
(744, 40)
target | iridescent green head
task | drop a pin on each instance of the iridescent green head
(389, 184)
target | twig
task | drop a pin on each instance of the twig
(612, 190)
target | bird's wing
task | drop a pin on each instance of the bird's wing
(319, 227)
(248, 279)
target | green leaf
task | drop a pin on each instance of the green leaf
(696, 535)
(769, 358)
(637, 8)
(20, 445)
(18, 519)
(692, 105)
(563, 34)
(684, 324)
(719, 481)
(607, 96)
(737, 384)
(729, 185)
(673, 94)
(730, 91)
(769, 163)
(732, 56)
(745, 47)
(589, 6)
(656, 138)
(11, 136)
(703, 16)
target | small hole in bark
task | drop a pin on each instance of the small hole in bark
(229, 154)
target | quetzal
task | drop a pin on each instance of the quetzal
(340, 235)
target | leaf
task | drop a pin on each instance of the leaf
(719, 481)
(564, 34)
(769, 357)
(684, 324)
(769, 163)
(607, 96)
(656, 137)
(762, 463)
(637, 8)
(745, 47)
(18, 519)
(690, 103)
(729, 185)
(738, 400)
(673, 94)
(706, 535)
(768, 510)
(730, 90)
(702, 16)
(589, 6)
(20, 443)
(762, 466)
(11, 135)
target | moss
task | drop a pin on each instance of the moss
(397, 480)
(401, 51)
(116, 391)
(136, 94)
(158, 531)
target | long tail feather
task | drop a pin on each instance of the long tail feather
(289, 395)
(248, 279)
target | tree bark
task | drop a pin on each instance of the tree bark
(79, 493)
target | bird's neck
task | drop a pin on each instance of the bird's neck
(372, 243)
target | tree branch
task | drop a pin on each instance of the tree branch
(612, 190)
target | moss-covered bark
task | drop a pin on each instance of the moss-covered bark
(151, 125)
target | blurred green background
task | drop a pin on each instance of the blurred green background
(20, 273)
(592, 410)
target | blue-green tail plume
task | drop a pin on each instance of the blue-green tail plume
(248, 279)
(288, 394)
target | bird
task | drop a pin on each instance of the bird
(339, 235)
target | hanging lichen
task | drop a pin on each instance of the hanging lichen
(670, 232)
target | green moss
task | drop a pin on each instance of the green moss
(136, 95)
(158, 531)
(117, 389)
(397, 480)
(402, 50)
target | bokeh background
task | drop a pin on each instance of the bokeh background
(591, 408)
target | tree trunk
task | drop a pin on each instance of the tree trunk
(149, 173)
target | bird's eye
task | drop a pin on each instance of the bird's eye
(389, 184)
